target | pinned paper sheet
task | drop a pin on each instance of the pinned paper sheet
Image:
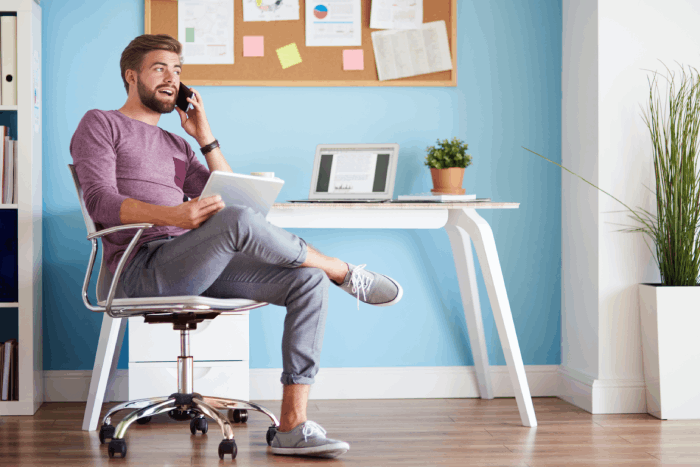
(353, 59)
(400, 54)
(205, 29)
(289, 55)
(253, 46)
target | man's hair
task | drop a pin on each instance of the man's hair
(132, 56)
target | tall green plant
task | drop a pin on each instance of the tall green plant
(674, 135)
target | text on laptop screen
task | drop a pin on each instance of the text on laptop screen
(353, 171)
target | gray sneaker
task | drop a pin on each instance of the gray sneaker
(307, 439)
(371, 287)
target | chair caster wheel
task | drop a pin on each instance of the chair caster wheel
(182, 415)
(200, 424)
(117, 446)
(106, 432)
(238, 415)
(271, 432)
(228, 446)
(144, 420)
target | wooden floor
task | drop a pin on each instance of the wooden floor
(425, 432)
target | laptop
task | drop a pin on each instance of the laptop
(353, 173)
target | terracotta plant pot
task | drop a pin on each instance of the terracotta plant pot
(448, 181)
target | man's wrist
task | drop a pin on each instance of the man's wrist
(206, 140)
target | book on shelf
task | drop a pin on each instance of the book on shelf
(9, 172)
(15, 150)
(8, 167)
(3, 130)
(9, 358)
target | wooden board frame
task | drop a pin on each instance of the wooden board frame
(161, 18)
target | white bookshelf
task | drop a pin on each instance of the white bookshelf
(28, 207)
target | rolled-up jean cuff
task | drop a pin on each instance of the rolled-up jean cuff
(288, 378)
(302, 255)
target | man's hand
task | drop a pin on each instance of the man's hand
(191, 214)
(195, 122)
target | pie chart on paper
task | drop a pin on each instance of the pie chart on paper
(320, 11)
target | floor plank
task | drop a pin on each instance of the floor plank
(414, 432)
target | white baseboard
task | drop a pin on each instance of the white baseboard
(602, 396)
(404, 382)
(73, 386)
(338, 383)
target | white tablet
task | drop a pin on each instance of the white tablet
(253, 191)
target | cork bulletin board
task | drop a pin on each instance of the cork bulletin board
(321, 66)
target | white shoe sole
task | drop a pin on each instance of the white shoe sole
(327, 450)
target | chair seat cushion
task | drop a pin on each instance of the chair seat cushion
(186, 300)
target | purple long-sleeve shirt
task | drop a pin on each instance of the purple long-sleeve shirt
(117, 157)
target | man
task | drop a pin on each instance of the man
(132, 171)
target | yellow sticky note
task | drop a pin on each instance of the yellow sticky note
(289, 55)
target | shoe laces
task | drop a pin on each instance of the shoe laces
(312, 428)
(361, 281)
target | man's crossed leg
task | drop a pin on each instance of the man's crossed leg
(237, 253)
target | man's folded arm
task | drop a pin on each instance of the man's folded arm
(133, 211)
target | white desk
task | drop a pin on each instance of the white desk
(463, 226)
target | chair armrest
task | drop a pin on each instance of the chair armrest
(118, 228)
(115, 280)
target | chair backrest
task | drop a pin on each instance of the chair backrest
(89, 224)
(104, 279)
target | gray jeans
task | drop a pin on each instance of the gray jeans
(238, 254)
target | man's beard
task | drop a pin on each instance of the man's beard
(150, 100)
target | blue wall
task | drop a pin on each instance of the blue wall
(508, 96)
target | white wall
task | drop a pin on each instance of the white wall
(633, 36)
(580, 201)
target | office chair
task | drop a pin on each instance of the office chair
(183, 312)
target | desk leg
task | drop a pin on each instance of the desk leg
(466, 277)
(485, 245)
(108, 349)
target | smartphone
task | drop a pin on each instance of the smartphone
(182, 96)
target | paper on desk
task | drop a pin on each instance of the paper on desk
(270, 10)
(333, 23)
(396, 14)
(400, 54)
(205, 29)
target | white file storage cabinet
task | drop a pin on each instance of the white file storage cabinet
(219, 348)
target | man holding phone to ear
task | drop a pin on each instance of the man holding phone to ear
(132, 171)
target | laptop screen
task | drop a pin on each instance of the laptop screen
(358, 171)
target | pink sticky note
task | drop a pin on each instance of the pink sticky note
(253, 46)
(353, 59)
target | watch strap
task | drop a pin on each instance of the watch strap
(209, 147)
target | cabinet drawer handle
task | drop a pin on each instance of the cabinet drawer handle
(199, 372)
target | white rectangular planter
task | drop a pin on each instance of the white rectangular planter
(670, 318)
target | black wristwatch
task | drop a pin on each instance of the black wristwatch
(209, 147)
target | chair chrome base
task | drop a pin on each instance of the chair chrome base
(183, 405)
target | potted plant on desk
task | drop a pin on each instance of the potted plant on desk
(669, 311)
(447, 162)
